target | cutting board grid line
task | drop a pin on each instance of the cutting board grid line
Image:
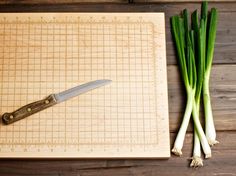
(121, 119)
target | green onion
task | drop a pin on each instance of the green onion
(188, 70)
(189, 79)
(209, 126)
(195, 47)
(201, 50)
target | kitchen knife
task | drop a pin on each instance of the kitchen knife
(51, 100)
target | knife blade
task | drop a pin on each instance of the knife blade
(51, 100)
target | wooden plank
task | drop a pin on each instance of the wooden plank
(168, 169)
(100, 1)
(183, 1)
(170, 8)
(223, 96)
(221, 163)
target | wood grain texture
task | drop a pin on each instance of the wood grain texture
(99, 1)
(223, 161)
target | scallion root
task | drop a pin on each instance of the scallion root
(177, 151)
(212, 142)
(196, 162)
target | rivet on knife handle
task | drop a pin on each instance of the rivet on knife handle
(29, 109)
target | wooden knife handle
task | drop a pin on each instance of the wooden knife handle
(29, 109)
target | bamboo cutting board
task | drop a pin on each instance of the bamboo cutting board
(44, 53)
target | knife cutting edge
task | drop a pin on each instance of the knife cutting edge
(51, 100)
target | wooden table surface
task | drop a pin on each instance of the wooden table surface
(223, 93)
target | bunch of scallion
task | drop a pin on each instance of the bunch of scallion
(195, 47)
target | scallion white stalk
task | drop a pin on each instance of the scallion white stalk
(196, 158)
(203, 140)
(209, 127)
(177, 148)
